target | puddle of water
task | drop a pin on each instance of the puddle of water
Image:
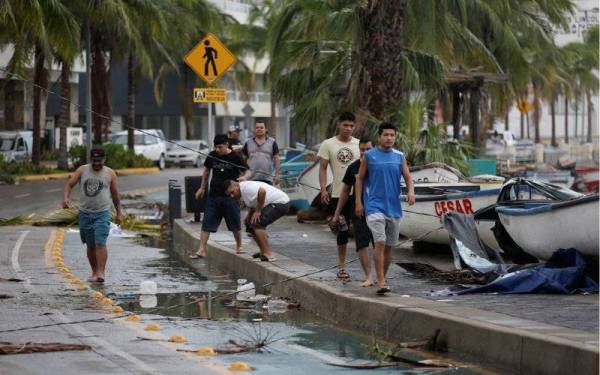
(304, 343)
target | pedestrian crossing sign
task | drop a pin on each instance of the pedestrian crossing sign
(210, 59)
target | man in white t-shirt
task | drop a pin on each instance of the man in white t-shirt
(266, 204)
(339, 152)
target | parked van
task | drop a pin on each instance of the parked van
(16, 146)
(150, 144)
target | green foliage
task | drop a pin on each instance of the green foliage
(424, 143)
(23, 168)
(117, 157)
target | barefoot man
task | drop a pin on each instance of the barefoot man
(379, 177)
(98, 193)
(266, 204)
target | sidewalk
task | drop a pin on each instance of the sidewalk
(526, 333)
(46, 298)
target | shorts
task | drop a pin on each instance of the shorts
(268, 215)
(383, 228)
(218, 208)
(362, 233)
(94, 228)
(342, 236)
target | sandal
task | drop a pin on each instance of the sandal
(256, 255)
(342, 274)
(196, 256)
(267, 259)
(382, 291)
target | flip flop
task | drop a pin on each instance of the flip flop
(256, 255)
(383, 291)
(267, 259)
(196, 256)
(100, 280)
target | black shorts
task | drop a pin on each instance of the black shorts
(342, 236)
(220, 207)
(362, 233)
(268, 215)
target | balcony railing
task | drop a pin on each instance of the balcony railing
(253, 96)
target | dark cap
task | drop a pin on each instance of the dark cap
(97, 154)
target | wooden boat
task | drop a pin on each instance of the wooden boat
(533, 219)
(421, 220)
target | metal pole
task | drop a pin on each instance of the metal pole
(211, 127)
(88, 94)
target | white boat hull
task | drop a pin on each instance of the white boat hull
(309, 181)
(541, 234)
(421, 220)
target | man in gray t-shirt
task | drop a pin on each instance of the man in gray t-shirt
(263, 156)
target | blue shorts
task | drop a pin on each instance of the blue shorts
(219, 207)
(94, 228)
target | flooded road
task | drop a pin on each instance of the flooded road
(204, 309)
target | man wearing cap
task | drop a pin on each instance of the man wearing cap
(266, 204)
(98, 193)
(233, 137)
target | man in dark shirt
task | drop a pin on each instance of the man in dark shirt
(225, 165)
(362, 234)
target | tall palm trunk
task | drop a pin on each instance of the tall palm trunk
(456, 113)
(566, 119)
(101, 104)
(64, 120)
(537, 114)
(576, 116)
(590, 114)
(380, 55)
(553, 117)
(506, 124)
(273, 127)
(130, 102)
(40, 82)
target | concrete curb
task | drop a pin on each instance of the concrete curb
(476, 334)
(64, 176)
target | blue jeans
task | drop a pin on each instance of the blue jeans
(218, 208)
(94, 228)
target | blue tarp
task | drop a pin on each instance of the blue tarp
(563, 273)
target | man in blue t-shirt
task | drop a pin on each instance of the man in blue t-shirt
(378, 182)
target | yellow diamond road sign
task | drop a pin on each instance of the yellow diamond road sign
(210, 95)
(209, 59)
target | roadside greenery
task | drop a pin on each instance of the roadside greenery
(9, 171)
(117, 157)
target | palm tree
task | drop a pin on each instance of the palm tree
(37, 29)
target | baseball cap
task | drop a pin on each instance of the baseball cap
(97, 154)
(233, 128)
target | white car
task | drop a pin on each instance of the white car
(192, 153)
(16, 146)
(149, 143)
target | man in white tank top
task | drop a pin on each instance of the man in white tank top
(98, 194)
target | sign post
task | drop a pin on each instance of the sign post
(210, 59)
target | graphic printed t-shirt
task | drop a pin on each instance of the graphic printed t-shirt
(382, 186)
(225, 168)
(249, 192)
(340, 155)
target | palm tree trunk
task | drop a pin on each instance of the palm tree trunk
(537, 114)
(40, 81)
(130, 102)
(273, 125)
(553, 117)
(64, 120)
(566, 119)
(576, 116)
(456, 113)
(506, 124)
(474, 99)
(380, 54)
(101, 105)
(590, 114)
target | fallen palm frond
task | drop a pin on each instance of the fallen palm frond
(59, 217)
(33, 347)
(17, 220)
